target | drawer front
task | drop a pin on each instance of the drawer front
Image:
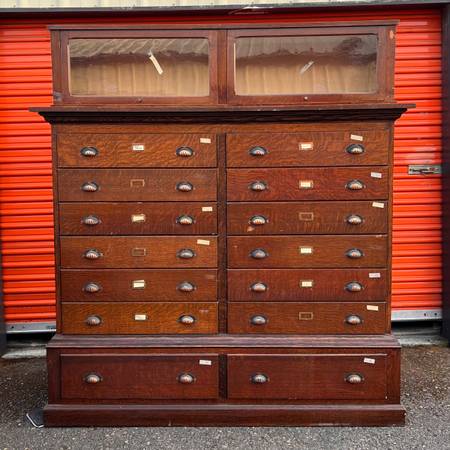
(316, 148)
(331, 183)
(307, 251)
(307, 218)
(137, 185)
(308, 377)
(308, 285)
(185, 285)
(139, 252)
(307, 318)
(136, 150)
(137, 218)
(139, 318)
(117, 376)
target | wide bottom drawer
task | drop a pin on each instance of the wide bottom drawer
(307, 318)
(108, 377)
(139, 318)
(307, 377)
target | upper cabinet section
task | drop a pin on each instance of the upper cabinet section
(284, 65)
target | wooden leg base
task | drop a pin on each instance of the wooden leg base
(58, 415)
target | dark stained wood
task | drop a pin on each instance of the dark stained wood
(120, 318)
(307, 218)
(306, 318)
(138, 218)
(308, 148)
(116, 150)
(307, 285)
(138, 252)
(326, 184)
(138, 376)
(137, 184)
(307, 251)
(116, 285)
(307, 377)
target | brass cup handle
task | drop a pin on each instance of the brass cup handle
(92, 254)
(355, 185)
(258, 320)
(258, 220)
(185, 286)
(89, 152)
(258, 186)
(92, 288)
(260, 378)
(355, 149)
(354, 219)
(89, 187)
(184, 186)
(354, 378)
(259, 253)
(93, 321)
(354, 286)
(353, 319)
(187, 319)
(184, 152)
(258, 287)
(91, 220)
(92, 378)
(185, 220)
(258, 151)
(354, 253)
(186, 253)
(186, 378)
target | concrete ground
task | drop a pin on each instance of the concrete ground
(426, 396)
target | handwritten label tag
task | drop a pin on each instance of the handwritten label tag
(356, 137)
(307, 283)
(306, 216)
(203, 242)
(378, 205)
(374, 275)
(138, 147)
(369, 360)
(376, 175)
(372, 308)
(140, 317)
(137, 218)
(205, 362)
(306, 145)
(205, 141)
(305, 184)
(305, 316)
(207, 209)
(138, 284)
(306, 250)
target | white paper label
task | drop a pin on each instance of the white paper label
(378, 205)
(369, 360)
(203, 242)
(155, 62)
(306, 145)
(138, 147)
(372, 308)
(374, 275)
(356, 137)
(205, 362)
(307, 283)
(138, 284)
(136, 218)
(305, 184)
(207, 209)
(205, 141)
(140, 317)
(376, 175)
(306, 250)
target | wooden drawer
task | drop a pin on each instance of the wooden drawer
(308, 285)
(330, 183)
(139, 252)
(136, 150)
(307, 251)
(139, 318)
(168, 285)
(315, 148)
(308, 377)
(307, 218)
(137, 218)
(138, 376)
(307, 318)
(137, 185)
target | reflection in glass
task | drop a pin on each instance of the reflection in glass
(289, 65)
(139, 67)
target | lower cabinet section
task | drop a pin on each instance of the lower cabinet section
(224, 380)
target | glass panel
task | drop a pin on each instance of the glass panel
(289, 65)
(139, 67)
